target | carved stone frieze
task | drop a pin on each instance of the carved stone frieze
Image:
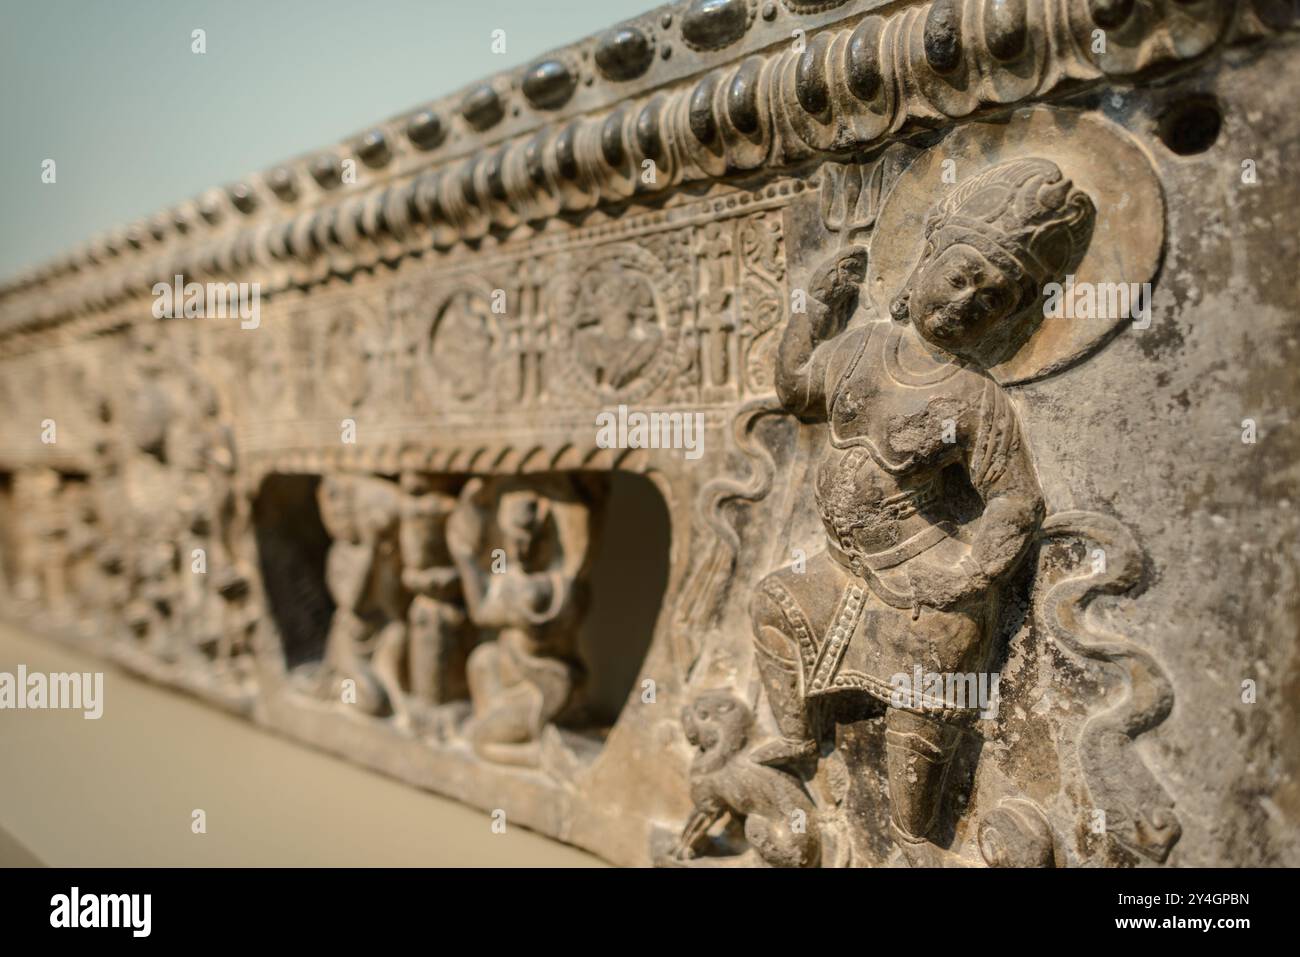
(800, 434)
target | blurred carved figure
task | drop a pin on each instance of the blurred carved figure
(364, 575)
(423, 665)
(522, 548)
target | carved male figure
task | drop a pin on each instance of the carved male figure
(620, 337)
(925, 488)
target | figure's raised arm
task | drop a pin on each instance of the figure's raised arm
(801, 359)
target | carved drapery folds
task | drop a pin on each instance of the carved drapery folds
(906, 619)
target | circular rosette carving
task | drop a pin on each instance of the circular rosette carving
(1125, 243)
(342, 359)
(619, 320)
(463, 339)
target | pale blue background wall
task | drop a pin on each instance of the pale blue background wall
(135, 121)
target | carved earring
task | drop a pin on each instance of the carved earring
(898, 309)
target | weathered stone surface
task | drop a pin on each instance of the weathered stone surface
(971, 536)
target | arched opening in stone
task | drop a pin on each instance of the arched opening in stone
(291, 547)
(629, 574)
(624, 585)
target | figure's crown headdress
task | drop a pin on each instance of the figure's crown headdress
(1023, 215)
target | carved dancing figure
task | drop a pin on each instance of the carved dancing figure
(925, 488)
(532, 591)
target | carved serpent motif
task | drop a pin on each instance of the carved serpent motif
(1139, 812)
(701, 602)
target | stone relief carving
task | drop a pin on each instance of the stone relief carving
(522, 679)
(840, 266)
(463, 337)
(852, 87)
(456, 607)
(898, 586)
(620, 324)
(1138, 810)
(911, 576)
(363, 572)
(438, 644)
(778, 819)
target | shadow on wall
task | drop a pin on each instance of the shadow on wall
(291, 547)
(628, 578)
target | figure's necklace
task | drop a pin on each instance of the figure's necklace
(934, 373)
(860, 441)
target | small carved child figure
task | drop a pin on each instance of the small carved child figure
(914, 565)
(779, 819)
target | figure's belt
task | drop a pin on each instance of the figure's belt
(866, 565)
(842, 507)
(907, 503)
(853, 559)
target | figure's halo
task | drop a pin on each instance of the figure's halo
(1101, 158)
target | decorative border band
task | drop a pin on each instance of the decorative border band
(846, 88)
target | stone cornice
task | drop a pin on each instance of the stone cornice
(573, 131)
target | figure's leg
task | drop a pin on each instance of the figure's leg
(436, 651)
(509, 709)
(777, 657)
(483, 672)
(345, 662)
(553, 682)
(389, 657)
(919, 751)
(424, 638)
(503, 733)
